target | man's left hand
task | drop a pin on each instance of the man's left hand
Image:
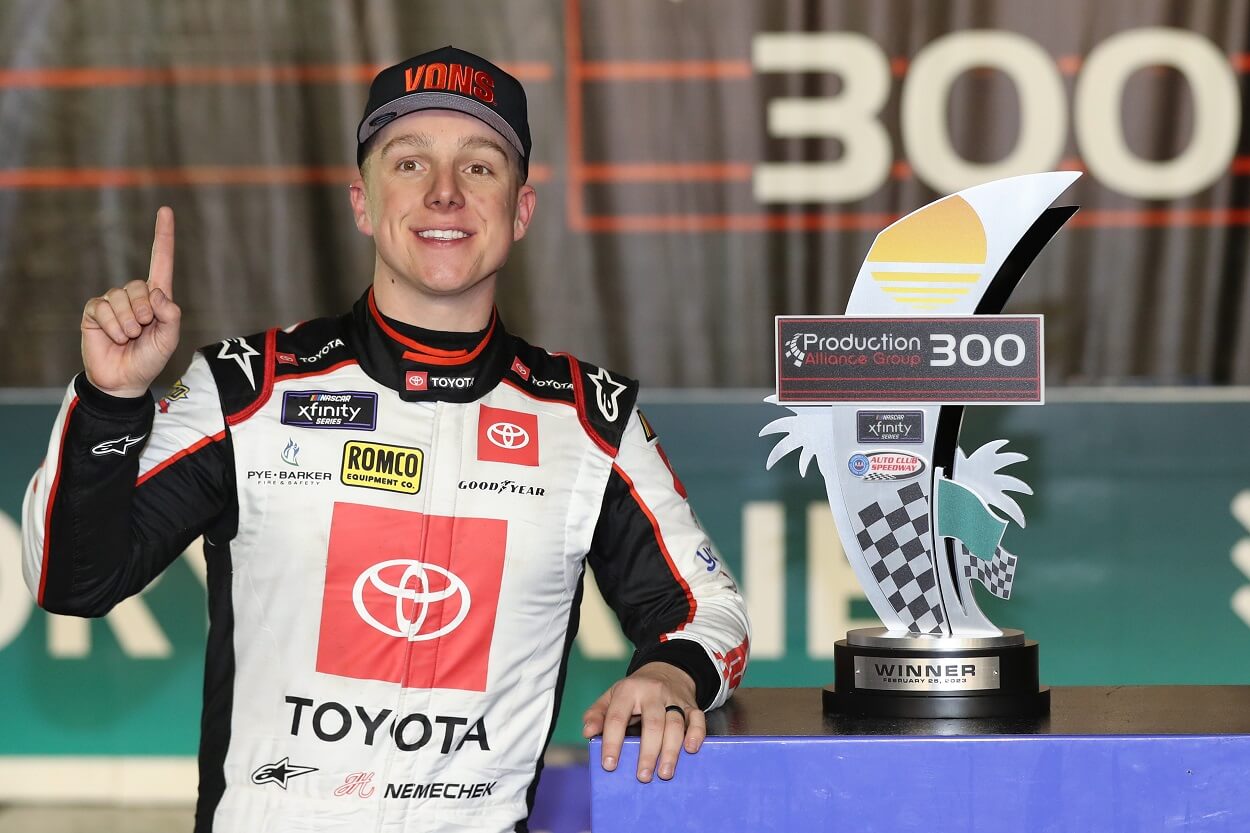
(645, 696)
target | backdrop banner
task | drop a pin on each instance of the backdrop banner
(1136, 559)
(701, 166)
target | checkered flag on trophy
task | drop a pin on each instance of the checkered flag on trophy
(893, 534)
(996, 575)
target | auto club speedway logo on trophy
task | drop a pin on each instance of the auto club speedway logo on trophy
(877, 397)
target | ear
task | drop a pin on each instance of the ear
(360, 206)
(526, 200)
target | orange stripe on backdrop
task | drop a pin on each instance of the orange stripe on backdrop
(743, 171)
(34, 178)
(627, 223)
(1067, 65)
(667, 172)
(741, 70)
(192, 175)
(1162, 217)
(70, 77)
(867, 221)
(843, 221)
(663, 70)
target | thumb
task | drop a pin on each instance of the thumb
(592, 720)
(164, 308)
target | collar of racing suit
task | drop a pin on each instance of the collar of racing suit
(429, 365)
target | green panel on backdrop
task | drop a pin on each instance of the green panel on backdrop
(1125, 563)
(106, 702)
(1125, 571)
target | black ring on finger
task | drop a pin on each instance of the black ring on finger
(675, 708)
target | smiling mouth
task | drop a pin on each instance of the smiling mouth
(442, 234)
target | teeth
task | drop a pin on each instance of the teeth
(442, 234)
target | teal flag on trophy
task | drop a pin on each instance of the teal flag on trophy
(963, 514)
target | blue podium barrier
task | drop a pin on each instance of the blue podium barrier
(1106, 760)
(562, 803)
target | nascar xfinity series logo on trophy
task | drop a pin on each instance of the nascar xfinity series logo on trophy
(921, 522)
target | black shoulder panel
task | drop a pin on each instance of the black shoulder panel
(604, 400)
(242, 367)
(540, 374)
(311, 347)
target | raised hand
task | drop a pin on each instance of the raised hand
(130, 332)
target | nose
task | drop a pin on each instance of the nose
(444, 192)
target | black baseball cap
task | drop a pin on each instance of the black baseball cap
(448, 79)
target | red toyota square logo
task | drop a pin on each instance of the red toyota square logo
(286, 358)
(519, 368)
(505, 436)
(410, 598)
(416, 380)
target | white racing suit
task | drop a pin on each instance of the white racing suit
(396, 524)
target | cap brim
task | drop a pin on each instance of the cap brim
(414, 102)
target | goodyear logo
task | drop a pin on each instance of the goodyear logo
(392, 468)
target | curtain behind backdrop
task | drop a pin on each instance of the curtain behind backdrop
(657, 250)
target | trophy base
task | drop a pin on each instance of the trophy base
(879, 675)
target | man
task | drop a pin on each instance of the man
(396, 505)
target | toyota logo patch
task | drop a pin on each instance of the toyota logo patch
(413, 586)
(507, 435)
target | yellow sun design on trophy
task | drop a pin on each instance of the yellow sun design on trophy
(930, 258)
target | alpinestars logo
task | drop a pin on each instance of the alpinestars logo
(410, 598)
(118, 446)
(279, 773)
(242, 352)
(794, 352)
(607, 391)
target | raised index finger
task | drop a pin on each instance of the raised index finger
(161, 267)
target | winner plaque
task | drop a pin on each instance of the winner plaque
(876, 398)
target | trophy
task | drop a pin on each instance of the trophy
(876, 397)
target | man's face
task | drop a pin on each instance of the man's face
(441, 198)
